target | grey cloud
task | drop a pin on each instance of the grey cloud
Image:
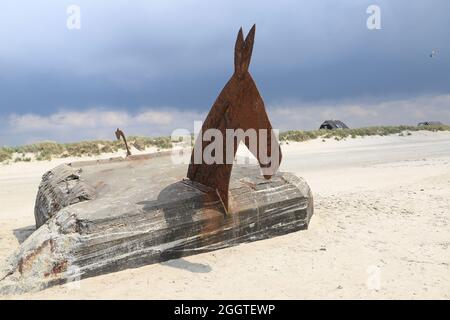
(179, 53)
(100, 123)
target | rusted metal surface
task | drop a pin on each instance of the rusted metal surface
(119, 133)
(27, 261)
(239, 106)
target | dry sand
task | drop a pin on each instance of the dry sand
(381, 229)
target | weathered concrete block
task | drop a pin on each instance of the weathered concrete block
(109, 216)
(60, 187)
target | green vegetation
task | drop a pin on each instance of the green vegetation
(340, 134)
(48, 150)
(6, 154)
(141, 143)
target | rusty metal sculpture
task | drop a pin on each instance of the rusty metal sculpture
(239, 106)
(119, 133)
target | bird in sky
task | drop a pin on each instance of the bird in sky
(433, 53)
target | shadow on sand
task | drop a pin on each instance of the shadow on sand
(22, 234)
(189, 266)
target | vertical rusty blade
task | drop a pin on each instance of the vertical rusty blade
(119, 133)
(238, 106)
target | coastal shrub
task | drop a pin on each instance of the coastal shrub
(48, 149)
(340, 134)
(6, 154)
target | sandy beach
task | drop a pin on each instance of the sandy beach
(380, 231)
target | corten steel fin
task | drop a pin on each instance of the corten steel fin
(239, 106)
(119, 133)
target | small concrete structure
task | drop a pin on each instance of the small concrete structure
(333, 124)
(430, 123)
(103, 216)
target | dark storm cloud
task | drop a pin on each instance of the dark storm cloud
(178, 54)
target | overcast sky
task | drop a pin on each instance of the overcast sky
(152, 66)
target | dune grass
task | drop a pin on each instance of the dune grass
(357, 132)
(49, 150)
(5, 154)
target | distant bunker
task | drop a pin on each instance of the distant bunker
(430, 123)
(333, 124)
